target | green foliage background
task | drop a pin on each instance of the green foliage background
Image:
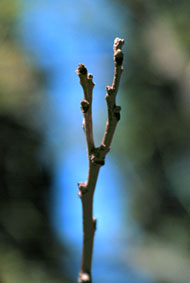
(155, 133)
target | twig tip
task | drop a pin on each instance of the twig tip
(81, 70)
(118, 43)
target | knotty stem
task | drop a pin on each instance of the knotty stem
(97, 155)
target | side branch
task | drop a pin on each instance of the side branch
(86, 104)
(113, 109)
(86, 189)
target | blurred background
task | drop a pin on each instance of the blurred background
(142, 198)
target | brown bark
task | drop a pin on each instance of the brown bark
(97, 155)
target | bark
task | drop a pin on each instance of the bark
(96, 156)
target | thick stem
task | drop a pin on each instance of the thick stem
(89, 223)
(88, 238)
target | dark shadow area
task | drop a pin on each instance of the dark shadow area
(28, 246)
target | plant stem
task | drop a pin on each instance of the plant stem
(97, 155)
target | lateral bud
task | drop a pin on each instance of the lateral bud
(82, 189)
(90, 76)
(97, 155)
(117, 110)
(84, 106)
(109, 90)
(118, 55)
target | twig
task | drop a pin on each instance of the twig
(97, 155)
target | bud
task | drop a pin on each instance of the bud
(118, 55)
(84, 106)
(82, 70)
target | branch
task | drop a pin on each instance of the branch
(96, 156)
(113, 110)
(86, 104)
